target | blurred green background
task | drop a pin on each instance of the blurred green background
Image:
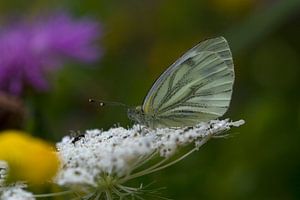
(143, 37)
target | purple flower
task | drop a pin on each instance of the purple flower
(29, 50)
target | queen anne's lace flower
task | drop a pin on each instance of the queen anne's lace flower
(15, 193)
(3, 172)
(105, 160)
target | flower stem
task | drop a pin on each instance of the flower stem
(53, 194)
(143, 172)
(145, 159)
(108, 195)
(158, 166)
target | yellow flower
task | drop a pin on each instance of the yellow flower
(29, 159)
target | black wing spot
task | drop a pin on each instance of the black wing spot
(190, 62)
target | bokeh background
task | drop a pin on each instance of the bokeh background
(137, 40)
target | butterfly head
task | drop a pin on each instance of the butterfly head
(136, 114)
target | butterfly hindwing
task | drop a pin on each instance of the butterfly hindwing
(195, 88)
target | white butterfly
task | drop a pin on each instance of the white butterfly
(196, 88)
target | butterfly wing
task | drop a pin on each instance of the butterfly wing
(197, 87)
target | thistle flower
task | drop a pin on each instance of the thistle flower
(28, 50)
(99, 163)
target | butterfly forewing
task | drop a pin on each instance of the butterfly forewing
(218, 45)
(195, 88)
(161, 85)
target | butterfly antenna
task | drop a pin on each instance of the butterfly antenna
(110, 103)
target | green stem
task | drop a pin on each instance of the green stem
(145, 160)
(157, 166)
(52, 194)
(108, 195)
(115, 190)
(141, 173)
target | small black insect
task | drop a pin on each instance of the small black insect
(77, 135)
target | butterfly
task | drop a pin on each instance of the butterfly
(196, 88)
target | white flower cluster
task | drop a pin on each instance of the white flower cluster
(3, 172)
(113, 152)
(119, 151)
(15, 192)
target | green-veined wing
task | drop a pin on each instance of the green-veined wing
(197, 87)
